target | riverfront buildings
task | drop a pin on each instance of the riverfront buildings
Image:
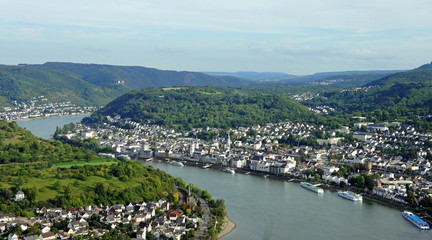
(399, 158)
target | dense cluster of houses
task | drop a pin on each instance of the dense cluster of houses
(261, 151)
(142, 217)
(41, 107)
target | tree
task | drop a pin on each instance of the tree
(99, 188)
(56, 185)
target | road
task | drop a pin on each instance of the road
(201, 234)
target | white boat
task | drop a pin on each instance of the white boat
(247, 173)
(311, 187)
(350, 196)
(206, 166)
(174, 163)
(229, 170)
(414, 219)
(124, 156)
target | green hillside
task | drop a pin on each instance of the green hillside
(405, 96)
(190, 107)
(93, 84)
(25, 82)
(135, 77)
(55, 174)
(422, 74)
(19, 146)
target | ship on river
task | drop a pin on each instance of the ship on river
(311, 187)
(414, 219)
(350, 196)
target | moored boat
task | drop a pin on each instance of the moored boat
(350, 196)
(229, 170)
(311, 187)
(416, 220)
(206, 166)
(179, 164)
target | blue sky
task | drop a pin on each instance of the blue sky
(292, 36)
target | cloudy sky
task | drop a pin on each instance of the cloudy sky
(291, 36)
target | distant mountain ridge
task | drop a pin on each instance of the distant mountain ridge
(257, 76)
(136, 77)
(22, 83)
(362, 76)
(94, 84)
(404, 95)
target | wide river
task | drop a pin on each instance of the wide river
(273, 209)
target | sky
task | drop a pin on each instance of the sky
(290, 36)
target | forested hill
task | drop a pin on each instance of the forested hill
(403, 96)
(422, 74)
(25, 82)
(51, 173)
(135, 77)
(93, 84)
(18, 146)
(190, 107)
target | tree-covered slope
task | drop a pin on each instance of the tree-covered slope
(55, 174)
(189, 107)
(401, 96)
(135, 77)
(93, 84)
(26, 82)
(18, 146)
(422, 74)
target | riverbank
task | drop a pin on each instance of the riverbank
(297, 179)
(48, 117)
(227, 227)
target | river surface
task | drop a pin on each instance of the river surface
(45, 127)
(273, 209)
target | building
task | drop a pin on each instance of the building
(19, 196)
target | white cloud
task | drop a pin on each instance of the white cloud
(299, 35)
(276, 16)
(29, 33)
(363, 52)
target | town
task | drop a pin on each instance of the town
(155, 219)
(41, 107)
(397, 156)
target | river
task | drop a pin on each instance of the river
(272, 209)
(45, 127)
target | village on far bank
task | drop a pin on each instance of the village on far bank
(42, 107)
(391, 161)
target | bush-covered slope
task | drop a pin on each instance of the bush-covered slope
(189, 107)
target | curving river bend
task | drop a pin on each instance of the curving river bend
(273, 209)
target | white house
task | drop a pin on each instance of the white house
(19, 196)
